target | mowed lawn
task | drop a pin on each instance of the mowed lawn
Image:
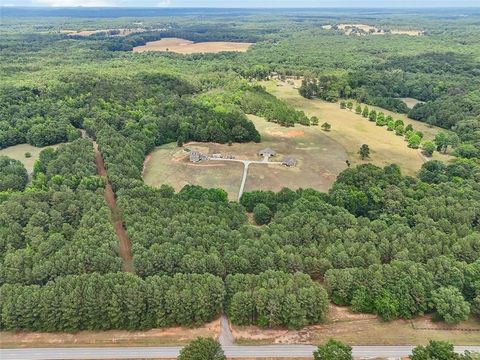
(352, 130)
(319, 160)
(17, 152)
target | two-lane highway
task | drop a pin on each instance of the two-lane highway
(263, 351)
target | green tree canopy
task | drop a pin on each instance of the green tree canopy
(262, 214)
(333, 350)
(202, 349)
(364, 151)
(451, 305)
(13, 176)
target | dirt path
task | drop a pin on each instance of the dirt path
(125, 246)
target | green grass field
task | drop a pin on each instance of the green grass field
(17, 152)
(351, 131)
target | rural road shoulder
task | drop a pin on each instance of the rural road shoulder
(230, 351)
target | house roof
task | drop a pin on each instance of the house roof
(267, 151)
(289, 161)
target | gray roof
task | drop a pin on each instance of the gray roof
(289, 161)
(267, 152)
(196, 156)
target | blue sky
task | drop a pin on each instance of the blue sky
(246, 3)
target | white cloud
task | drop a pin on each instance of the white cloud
(164, 3)
(78, 3)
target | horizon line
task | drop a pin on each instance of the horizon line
(235, 8)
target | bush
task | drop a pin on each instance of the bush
(428, 148)
(202, 349)
(333, 350)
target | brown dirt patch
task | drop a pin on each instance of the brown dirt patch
(207, 165)
(155, 337)
(145, 163)
(364, 329)
(182, 46)
(125, 246)
(288, 134)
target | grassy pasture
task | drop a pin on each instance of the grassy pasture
(319, 160)
(183, 46)
(17, 152)
(352, 130)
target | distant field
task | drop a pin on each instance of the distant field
(350, 29)
(183, 46)
(319, 160)
(364, 329)
(352, 130)
(17, 152)
(86, 33)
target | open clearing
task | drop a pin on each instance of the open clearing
(170, 165)
(364, 329)
(17, 152)
(352, 130)
(319, 160)
(411, 102)
(117, 32)
(155, 337)
(182, 46)
(363, 29)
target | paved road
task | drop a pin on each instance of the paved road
(364, 352)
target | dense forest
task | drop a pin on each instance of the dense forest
(378, 241)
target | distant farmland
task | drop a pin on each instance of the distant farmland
(182, 46)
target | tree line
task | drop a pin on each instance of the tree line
(111, 301)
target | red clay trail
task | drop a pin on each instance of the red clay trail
(125, 246)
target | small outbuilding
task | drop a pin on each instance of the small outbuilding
(267, 152)
(289, 161)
